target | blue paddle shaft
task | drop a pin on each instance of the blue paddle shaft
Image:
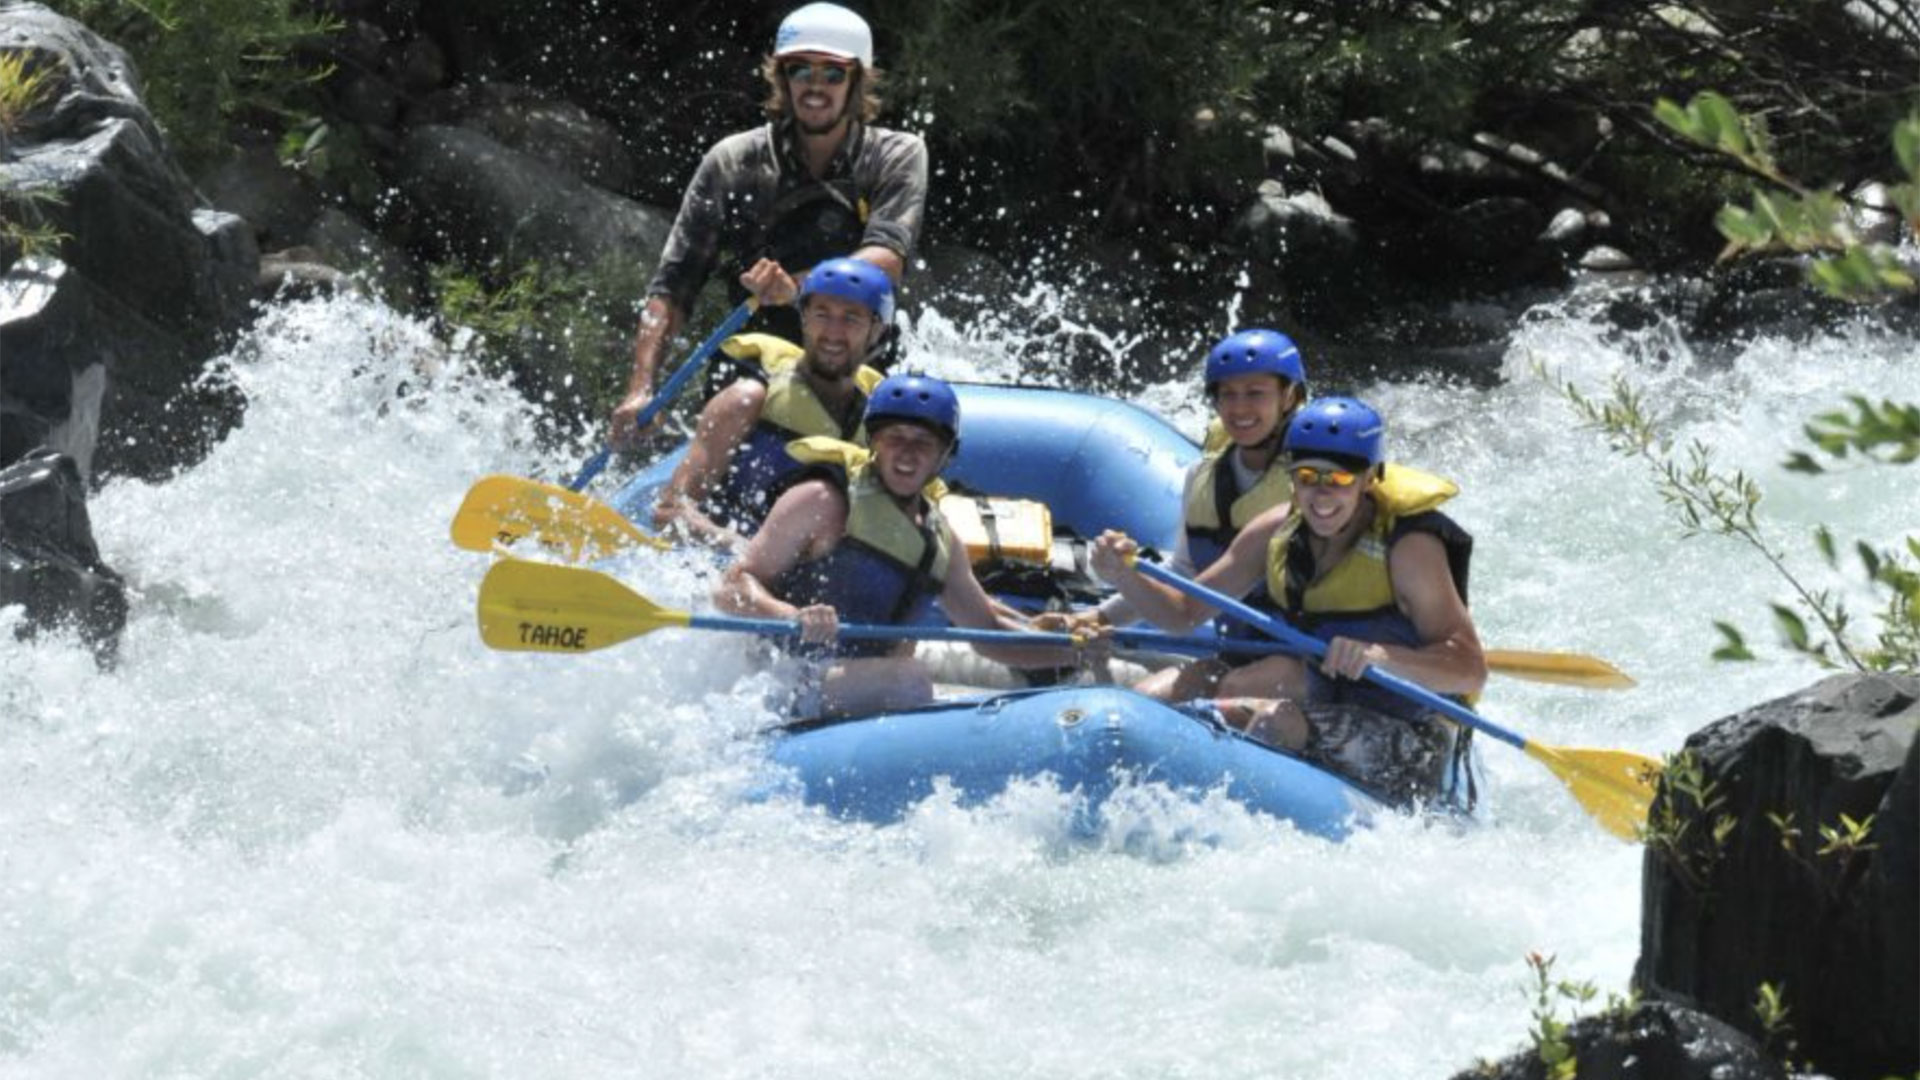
(671, 389)
(1152, 640)
(1314, 647)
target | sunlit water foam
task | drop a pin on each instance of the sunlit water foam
(310, 826)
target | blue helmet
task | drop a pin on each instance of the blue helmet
(921, 399)
(1339, 428)
(1265, 352)
(852, 279)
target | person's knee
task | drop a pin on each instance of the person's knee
(1279, 723)
(1273, 676)
(870, 685)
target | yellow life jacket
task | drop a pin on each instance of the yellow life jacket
(886, 568)
(791, 404)
(1360, 583)
(848, 457)
(1355, 597)
(876, 520)
(1203, 510)
(1216, 439)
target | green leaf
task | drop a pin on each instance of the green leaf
(1792, 627)
(1870, 559)
(1733, 645)
(1745, 230)
(1801, 462)
(1774, 213)
(1829, 279)
(1669, 112)
(1823, 539)
(1729, 131)
(1906, 145)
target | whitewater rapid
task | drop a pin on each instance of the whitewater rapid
(309, 826)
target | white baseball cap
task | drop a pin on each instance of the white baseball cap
(828, 29)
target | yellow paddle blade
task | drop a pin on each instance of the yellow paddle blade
(540, 607)
(1614, 786)
(1567, 669)
(499, 510)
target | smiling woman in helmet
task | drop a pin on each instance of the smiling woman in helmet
(1363, 559)
(859, 541)
(1256, 381)
(818, 181)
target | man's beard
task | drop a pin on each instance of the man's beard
(822, 129)
(793, 110)
(830, 370)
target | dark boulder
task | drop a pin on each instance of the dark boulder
(276, 200)
(1748, 879)
(1656, 1041)
(48, 561)
(475, 199)
(551, 130)
(146, 286)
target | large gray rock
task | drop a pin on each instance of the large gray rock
(277, 201)
(48, 561)
(476, 200)
(107, 338)
(1834, 932)
(559, 133)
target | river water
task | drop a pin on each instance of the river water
(311, 827)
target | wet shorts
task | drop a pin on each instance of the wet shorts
(1400, 761)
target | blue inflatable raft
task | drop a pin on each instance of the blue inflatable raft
(1097, 463)
(1091, 741)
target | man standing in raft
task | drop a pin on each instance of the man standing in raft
(860, 542)
(1256, 382)
(1365, 561)
(816, 182)
(737, 461)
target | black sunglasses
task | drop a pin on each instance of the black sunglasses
(802, 71)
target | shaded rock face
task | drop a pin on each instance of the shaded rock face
(48, 560)
(1834, 932)
(551, 130)
(477, 199)
(1657, 1041)
(99, 343)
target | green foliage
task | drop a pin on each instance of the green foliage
(1549, 1032)
(1707, 500)
(24, 228)
(1795, 218)
(24, 86)
(1776, 1033)
(1848, 838)
(1713, 122)
(1690, 797)
(1887, 433)
(210, 63)
(335, 156)
(1044, 83)
(557, 331)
